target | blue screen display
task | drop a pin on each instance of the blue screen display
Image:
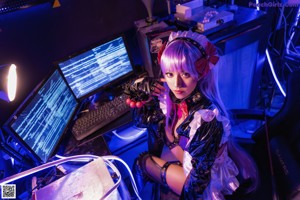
(89, 71)
(43, 118)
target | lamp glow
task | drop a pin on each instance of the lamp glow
(8, 82)
(12, 82)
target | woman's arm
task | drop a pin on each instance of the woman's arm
(173, 144)
(150, 115)
(145, 90)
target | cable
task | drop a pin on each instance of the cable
(274, 191)
(128, 169)
(116, 185)
(287, 44)
(109, 192)
(271, 45)
(280, 18)
(138, 134)
(270, 61)
(107, 160)
(44, 166)
(284, 33)
(266, 126)
(293, 33)
(77, 158)
(274, 74)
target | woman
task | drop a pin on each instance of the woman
(188, 126)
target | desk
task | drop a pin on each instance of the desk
(249, 25)
(105, 142)
(94, 144)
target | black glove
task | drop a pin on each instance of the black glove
(141, 91)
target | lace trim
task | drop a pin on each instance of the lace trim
(223, 176)
(208, 115)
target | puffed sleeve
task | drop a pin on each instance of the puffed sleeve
(203, 149)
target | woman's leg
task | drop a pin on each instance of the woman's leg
(175, 176)
(165, 173)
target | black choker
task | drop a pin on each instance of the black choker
(195, 96)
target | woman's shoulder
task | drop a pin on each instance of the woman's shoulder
(208, 113)
(212, 116)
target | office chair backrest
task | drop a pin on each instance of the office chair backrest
(286, 121)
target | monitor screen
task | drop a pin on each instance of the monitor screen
(40, 121)
(91, 70)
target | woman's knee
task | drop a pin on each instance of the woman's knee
(175, 178)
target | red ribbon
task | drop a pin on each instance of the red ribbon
(182, 110)
(162, 48)
(211, 52)
(202, 64)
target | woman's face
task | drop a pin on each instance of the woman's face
(182, 84)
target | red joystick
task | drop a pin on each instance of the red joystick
(139, 104)
(132, 104)
(128, 101)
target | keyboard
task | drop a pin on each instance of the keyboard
(94, 120)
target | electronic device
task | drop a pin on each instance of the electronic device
(150, 39)
(41, 120)
(96, 185)
(96, 68)
(96, 119)
(206, 18)
(190, 8)
(210, 19)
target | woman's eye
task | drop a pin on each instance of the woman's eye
(168, 74)
(186, 75)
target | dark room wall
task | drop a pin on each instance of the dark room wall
(35, 37)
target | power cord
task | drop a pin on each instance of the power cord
(131, 137)
(275, 195)
(108, 158)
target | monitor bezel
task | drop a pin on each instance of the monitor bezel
(113, 83)
(7, 126)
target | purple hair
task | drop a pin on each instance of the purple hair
(181, 55)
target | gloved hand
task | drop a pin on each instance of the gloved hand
(142, 90)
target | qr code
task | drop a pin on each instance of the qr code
(8, 191)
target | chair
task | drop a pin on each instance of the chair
(279, 139)
(288, 118)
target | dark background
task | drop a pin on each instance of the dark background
(35, 37)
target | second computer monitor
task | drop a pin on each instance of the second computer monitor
(41, 120)
(94, 69)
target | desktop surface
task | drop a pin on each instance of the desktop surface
(95, 143)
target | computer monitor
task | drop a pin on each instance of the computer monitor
(96, 68)
(41, 120)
